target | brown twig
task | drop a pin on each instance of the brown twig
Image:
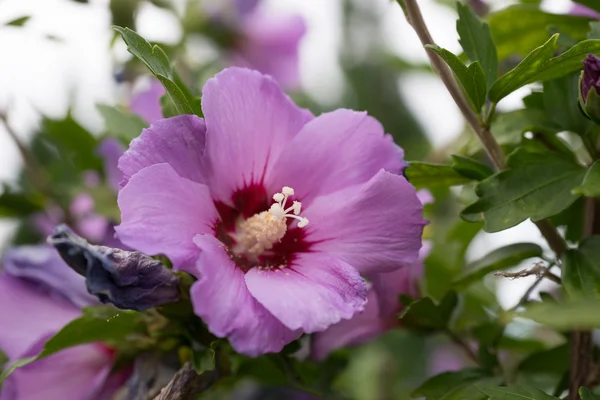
(538, 270)
(580, 341)
(187, 383)
(34, 171)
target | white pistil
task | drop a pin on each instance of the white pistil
(261, 231)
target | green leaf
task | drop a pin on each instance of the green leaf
(476, 40)
(424, 315)
(75, 144)
(18, 21)
(447, 257)
(457, 385)
(518, 29)
(123, 124)
(591, 182)
(98, 324)
(19, 204)
(508, 128)
(470, 168)
(581, 270)
(540, 66)
(514, 392)
(594, 30)
(572, 220)
(158, 63)
(471, 78)
(534, 185)
(553, 361)
(573, 314)
(560, 100)
(587, 394)
(499, 259)
(427, 175)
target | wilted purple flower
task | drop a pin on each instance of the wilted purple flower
(591, 75)
(32, 311)
(146, 103)
(128, 279)
(216, 197)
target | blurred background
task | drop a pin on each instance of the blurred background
(65, 60)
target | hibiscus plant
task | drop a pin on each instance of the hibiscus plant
(227, 236)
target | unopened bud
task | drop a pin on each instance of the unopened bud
(128, 279)
(589, 88)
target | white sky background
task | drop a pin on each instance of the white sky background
(38, 74)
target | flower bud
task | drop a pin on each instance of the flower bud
(128, 279)
(589, 88)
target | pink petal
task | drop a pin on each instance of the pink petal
(43, 266)
(271, 45)
(375, 227)
(364, 326)
(334, 151)
(389, 286)
(178, 141)
(161, 213)
(221, 299)
(146, 103)
(249, 120)
(27, 314)
(578, 9)
(76, 373)
(316, 292)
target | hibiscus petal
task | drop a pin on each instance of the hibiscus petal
(364, 326)
(161, 213)
(42, 265)
(334, 151)
(271, 45)
(221, 299)
(28, 313)
(249, 120)
(375, 227)
(316, 291)
(178, 141)
(390, 285)
(74, 373)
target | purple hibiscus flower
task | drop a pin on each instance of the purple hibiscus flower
(263, 41)
(39, 294)
(276, 212)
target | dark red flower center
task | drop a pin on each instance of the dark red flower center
(247, 203)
